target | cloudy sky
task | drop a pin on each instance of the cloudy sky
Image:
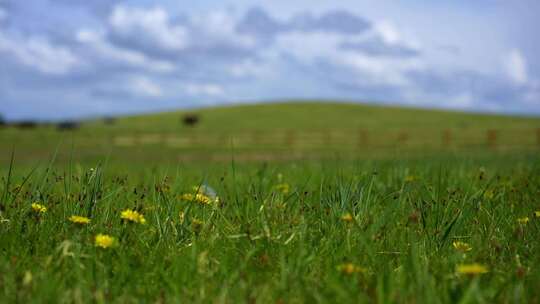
(77, 58)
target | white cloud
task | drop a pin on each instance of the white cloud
(96, 42)
(249, 68)
(152, 31)
(516, 67)
(419, 97)
(208, 89)
(309, 48)
(387, 31)
(39, 54)
(152, 25)
(378, 70)
(219, 27)
(142, 86)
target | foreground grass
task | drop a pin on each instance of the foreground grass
(295, 232)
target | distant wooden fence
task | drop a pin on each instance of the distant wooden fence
(339, 139)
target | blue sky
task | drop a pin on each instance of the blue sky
(74, 58)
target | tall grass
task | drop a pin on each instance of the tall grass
(265, 243)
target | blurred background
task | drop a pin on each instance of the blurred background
(348, 76)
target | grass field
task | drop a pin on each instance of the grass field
(287, 131)
(382, 217)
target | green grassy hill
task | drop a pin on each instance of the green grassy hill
(265, 131)
(317, 116)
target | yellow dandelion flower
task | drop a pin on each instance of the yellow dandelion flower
(132, 216)
(104, 241)
(489, 194)
(537, 213)
(198, 198)
(82, 220)
(461, 246)
(410, 178)
(39, 208)
(471, 269)
(27, 278)
(523, 220)
(181, 217)
(186, 197)
(283, 188)
(350, 268)
(347, 218)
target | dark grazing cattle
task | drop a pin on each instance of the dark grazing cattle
(25, 124)
(109, 120)
(67, 126)
(190, 120)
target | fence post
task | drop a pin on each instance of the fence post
(447, 138)
(290, 138)
(362, 138)
(403, 137)
(492, 138)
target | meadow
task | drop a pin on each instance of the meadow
(280, 203)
